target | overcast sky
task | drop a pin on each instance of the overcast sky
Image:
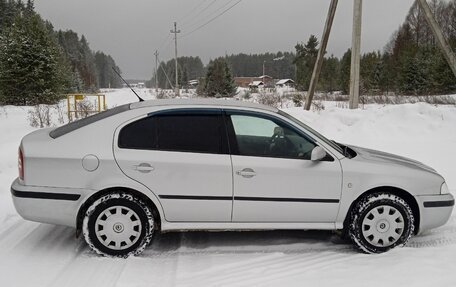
(131, 30)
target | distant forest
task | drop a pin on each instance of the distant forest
(38, 64)
(411, 63)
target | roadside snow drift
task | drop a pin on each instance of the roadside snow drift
(33, 254)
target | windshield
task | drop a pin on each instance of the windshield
(317, 134)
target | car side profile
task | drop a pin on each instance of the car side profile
(173, 165)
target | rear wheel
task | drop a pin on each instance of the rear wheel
(380, 222)
(119, 225)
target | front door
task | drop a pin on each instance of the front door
(182, 156)
(274, 178)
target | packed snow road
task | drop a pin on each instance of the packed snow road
(33, 254)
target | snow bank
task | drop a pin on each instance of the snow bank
(420, 131)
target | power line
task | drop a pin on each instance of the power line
(210, 14)
(165, 43)
(191, 11)
(204, 9)
(211, 20)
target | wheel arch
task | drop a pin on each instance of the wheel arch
(407, 196)
(82, 210)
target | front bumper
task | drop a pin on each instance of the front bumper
(47, 204)
(435, 210)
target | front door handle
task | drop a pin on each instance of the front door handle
(143, 167)
(246, 172)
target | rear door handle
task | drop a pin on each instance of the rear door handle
(246, 172)
(143, 167)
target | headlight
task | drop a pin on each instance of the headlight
(444, 189)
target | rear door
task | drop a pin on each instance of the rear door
(182, 156)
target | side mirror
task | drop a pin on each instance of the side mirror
(318, 153)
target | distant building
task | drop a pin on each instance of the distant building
(268, 81)
(244, 82)
(285, 83)
(255, 85)
(140, 85)
(193, 83)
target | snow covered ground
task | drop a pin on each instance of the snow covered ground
(33, 254)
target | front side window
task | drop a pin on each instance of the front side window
(181, 131)
(257, 136)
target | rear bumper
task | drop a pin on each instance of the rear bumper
(47, 204)
(435, 210)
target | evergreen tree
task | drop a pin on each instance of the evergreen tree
(387, 73)
(106, 77)
(330, 73)
(219, 80)
(443, 79)
(306, 56)
(88, 70)
(370, 71)
(413, 79)
(32, 69)
(189, 68)
(344, 79)
(277, 65)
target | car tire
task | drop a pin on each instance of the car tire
(118, 225)
(380, 222)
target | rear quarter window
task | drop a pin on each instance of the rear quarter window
(68, 128)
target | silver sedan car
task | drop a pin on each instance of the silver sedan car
(172, 165)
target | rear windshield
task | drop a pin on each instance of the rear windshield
(68, 128)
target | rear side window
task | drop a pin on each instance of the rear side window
(200, 132)
(68, 128)
(141, 134)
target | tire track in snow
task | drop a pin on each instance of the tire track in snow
(268, 269)
(304, 265)
(442, 236)
(231, 269)
(15, 234)
(10, 225)
(90, 271)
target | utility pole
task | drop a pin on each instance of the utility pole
(443, 43)
(321, 54)
(175, 32)
(264, 68)
(356, 54)
(156, 71)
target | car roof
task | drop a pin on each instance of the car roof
(222, 103)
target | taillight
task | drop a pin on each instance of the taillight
(21, 164)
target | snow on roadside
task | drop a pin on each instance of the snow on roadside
(420, 131)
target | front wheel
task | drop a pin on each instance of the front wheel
(380, 222)
(118, 225)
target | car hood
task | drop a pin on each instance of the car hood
(383, 157)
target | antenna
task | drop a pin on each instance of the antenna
(140, 99)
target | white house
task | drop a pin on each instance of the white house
(255, 85)
(285, 83)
